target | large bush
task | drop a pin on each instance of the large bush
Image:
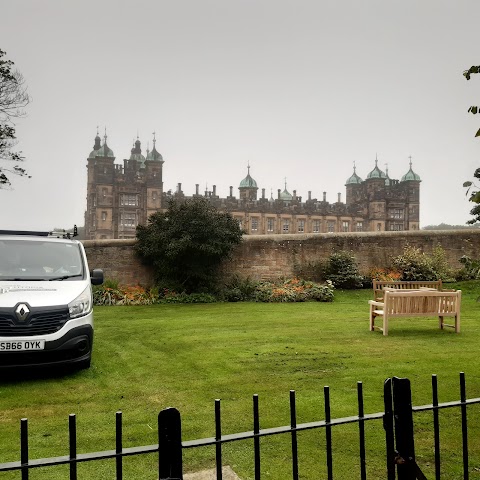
(415, 265)
(187, 243)
(342, 270)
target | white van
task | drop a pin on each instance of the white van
(46, 304)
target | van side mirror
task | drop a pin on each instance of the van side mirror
(96, 276)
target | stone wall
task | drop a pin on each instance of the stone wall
(118, 260)
(269, 257)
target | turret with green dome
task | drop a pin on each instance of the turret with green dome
(248, 187)
(376, 172)
(354, 187)
(411, 175)
(354, 179)
(101, 150)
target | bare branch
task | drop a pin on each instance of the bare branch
(13, 99)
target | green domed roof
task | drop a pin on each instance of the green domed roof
(101, 150)
(376, 172)
(285, 195)
(154, 155)
(354, 179)
(248, 181)
(411, 175)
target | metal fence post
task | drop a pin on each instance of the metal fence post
(388, 426)
(169, 445)
(407, 468)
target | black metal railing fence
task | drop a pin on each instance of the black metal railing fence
(397, 421)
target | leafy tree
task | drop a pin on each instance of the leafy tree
(13, 98)
(472, 189)
(187, 243)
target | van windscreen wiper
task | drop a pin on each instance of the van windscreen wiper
(65, 277)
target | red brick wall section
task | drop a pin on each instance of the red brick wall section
(264, 257)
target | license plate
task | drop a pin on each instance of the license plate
(21, 345)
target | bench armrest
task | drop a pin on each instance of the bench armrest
(377, 304)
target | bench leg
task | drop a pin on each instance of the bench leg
(440, 322)
(457, 323)
(385, 324)
(372, 319)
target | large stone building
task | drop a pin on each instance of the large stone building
(119, 197)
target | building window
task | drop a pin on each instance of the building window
(359, 226)
(94, 200)
(270, 224)
(396, 227)
(104, 192)
(345, 226)
(254, 224)
(301, 226)
(128, 219)
(154, 195)
(286, 225)
(396, 213)
(104, 169)
(104, 216)
(129, 199)
(330, 226)
(316, 226)
(379, 227)
(240, 222)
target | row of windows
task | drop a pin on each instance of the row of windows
(288, 225)
(126, 199)
(126, 219)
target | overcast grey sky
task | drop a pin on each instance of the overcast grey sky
(299, 89)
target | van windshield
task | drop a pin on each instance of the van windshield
(36, 260)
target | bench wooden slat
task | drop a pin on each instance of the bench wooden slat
(416, 303)
(379, 286)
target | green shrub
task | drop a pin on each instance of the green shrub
(172, 297)
(416, 265)
(239, 289)
(110, 293)
(342, 270)
(294, 290)
(470, 269)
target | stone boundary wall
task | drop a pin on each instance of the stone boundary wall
(264, 257)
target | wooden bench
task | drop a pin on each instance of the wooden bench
(380, 285)
(416, 303)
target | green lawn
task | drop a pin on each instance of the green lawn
(186, 356)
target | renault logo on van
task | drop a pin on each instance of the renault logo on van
(22, 312)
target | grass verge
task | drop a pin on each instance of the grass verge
(186, 356)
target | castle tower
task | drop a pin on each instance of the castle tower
(248, 187)
(375, 192)
(354, 188)
(411, 182)
(154, 179)
(99, 216)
